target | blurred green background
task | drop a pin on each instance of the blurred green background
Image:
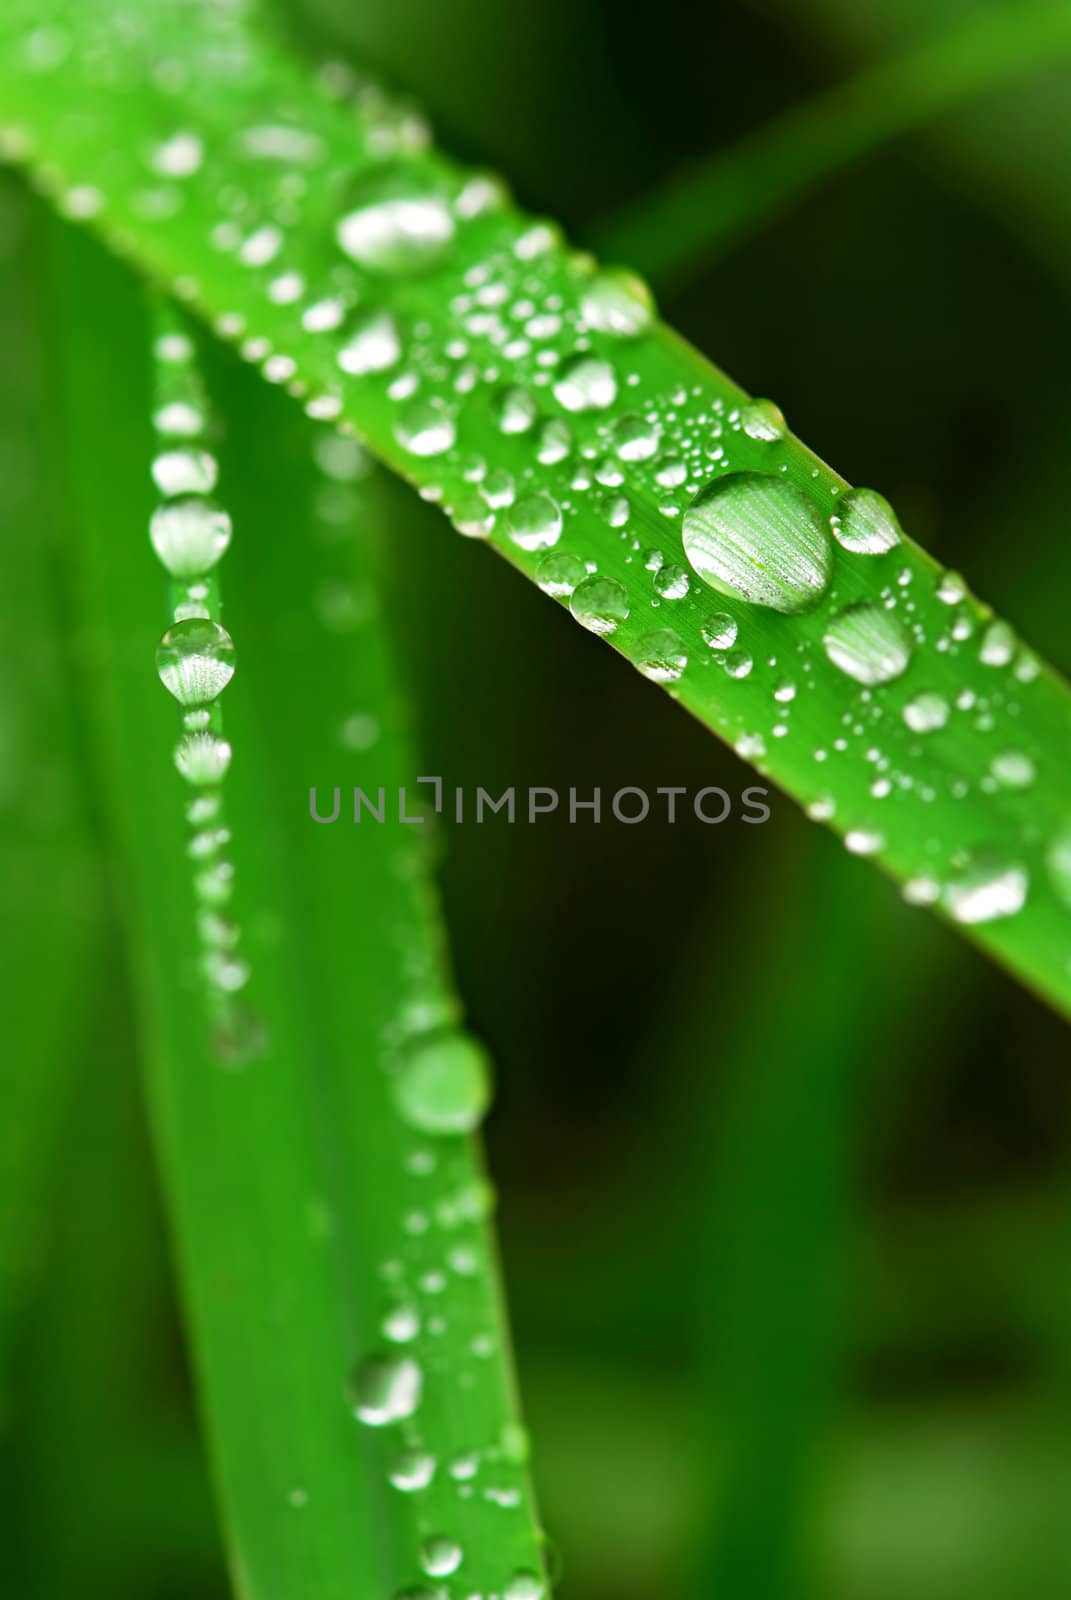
(782, 1165)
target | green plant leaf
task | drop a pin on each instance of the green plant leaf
(530, 395)
(331, 1227)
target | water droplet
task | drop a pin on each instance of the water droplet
(661, 656)
(394, 226)
(600, 604)
(636, 439)
(867, 643)
(444, 1084)
(178, 157)
(763, 419)
(986, 889)
(559, 573)
(865, 522)
(534, 522)
(757, 538)
(863, 841)
(554, 442)
(515, 409)
(401, 1324)
(719, 631)
(413, 1470)
(473, 518)
(202, 758)
(616, 301)
(1012, 769)
(185, 472)
(738, 664)
(998, 645)
(386, 1388)
(587, 383)
(671, 583)
(439, 1556)
(926, 713)
(524, 1586)
(195, 661)
(189, 535)
(951, 588)
(374, 344)
(425, 428)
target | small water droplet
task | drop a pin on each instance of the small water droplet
(393, 225)
(763, 419)
(616, 301)
(534, 522)
(867, 643)
(661, 656)
(587, 383)
(926, 713)
(185, 472)
(444, 1084)
(600, 604)
(386, 1388)
(413, 1470)
(756, 538)
(195, 661)
(998, 645)
(524, 1586)
(636, 439)
(373, 344)
(719, 631)
(866, 523)
(439, 1556)
(1013, 769)
(515, 409)
(189, 535)
(425, 428)
(559, 573)
(202, 758)
(987, 888)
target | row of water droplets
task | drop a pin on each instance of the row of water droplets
(195, 659)
(548, 349)
(439, 1338)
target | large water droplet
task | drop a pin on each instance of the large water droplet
(865, 522)
(189, 535)
(534, 522)
(444, 1084)
(394, 225)
(756, 538)
(763, 419)
(867, 643)
(195, 660)
(386, 1388)
(587, 383)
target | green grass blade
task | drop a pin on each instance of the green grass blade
(306, 1208)
(699, 216)
(230, 182)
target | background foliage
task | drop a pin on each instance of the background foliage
(783, 1172)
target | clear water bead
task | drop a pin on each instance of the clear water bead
(189, 535)
(756, 538)
(386, 1388)
(444, 1084)
(867, 643)
(393, 225)
(866, 523)
(195, 661)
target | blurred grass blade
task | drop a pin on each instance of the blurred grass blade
(540, 404)
(696, 218)
(50, 890)
(334, 1251)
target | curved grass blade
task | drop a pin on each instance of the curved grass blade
(537, 400)
(699, 216)
(330, 1212)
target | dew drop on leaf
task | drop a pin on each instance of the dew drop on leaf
(866, 523)
(587, 383)
(392, 225)
(386, 1388)
(444, 1084)
(195, 661)
(534, 522)
(189, 535)
(867, 644)
(756, 538)
(600, 604)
